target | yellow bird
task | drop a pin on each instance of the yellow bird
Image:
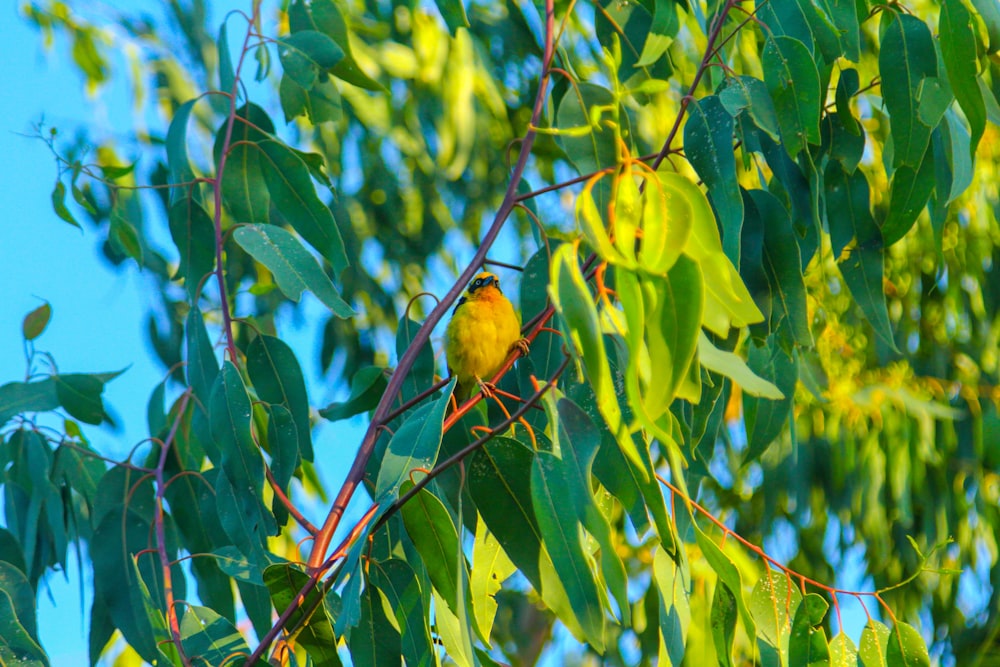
(483, 330)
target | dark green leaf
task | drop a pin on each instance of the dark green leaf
(329, 19)
(375, 642)
(560, 530)
(277, 378)
(429, 525)
(957, 32)
(847, 87)
(123, 235)
(193, 232)
(398, 583)
(906, 58)
(909, 191)
(745, 93)
(294, 196)
(243, 189)
(728, 575)
(787, 19)
(17, 645)
(367, 387)
(807, 643)
(708, 146)
(181, 174)
(413, 447)
(20, 397)
(284, 582)
(283, 440)
(421, 373)
(793, 81)
(80, 396)
(294, 269)
(202, 367)
(306, 54)
(21, 595)
(453, 12)
(765, 418)
(227, 75)
(723, 619)
(210, 639)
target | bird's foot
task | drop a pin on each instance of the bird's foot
(488, 388)
(522, 345)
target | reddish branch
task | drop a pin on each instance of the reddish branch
(161, 540)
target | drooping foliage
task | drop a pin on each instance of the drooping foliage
(758, 245)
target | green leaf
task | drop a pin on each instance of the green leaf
(765, 418)
(292, 266)
(807, 643)
(847, 87)
(843, 652)
(661, 33)
(367, 387)
(453, 12)
(15, 585)
(575, 304)
(244, 191)
(906, 58)
(349, 582)
(80, 396)
(429, 525)
(244, 516)
(957, 32)
(122, 234)
(421, 373)
(745, 93)
(578, 443)
(227, 74)
(560, 530)
(375, 642)
(850, 218)
(178, 163)
(589, 147)
(414, 446)
(490, 568)
(874, 640)
(788, 19)
(20, 397)
(193, 232)
(773, 603)
(906, 648)
(315, 634)
(209, 638)
(17, 645)
(294, 196)
(401, 588)
(275, 374)
(34, 323)
(202, 366)
(783, 268)
(708, 146)
(734, 368)
(728, 575)
(723, 620)
(673, 583)
(283, 440)
(499, 481)
(307, 54)
(793, 81)
(257, 605)
(909, 191)
(329, 19)
(58, 199)
(990, 14)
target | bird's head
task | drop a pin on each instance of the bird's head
(484, 286)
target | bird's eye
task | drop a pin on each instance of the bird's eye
(478, 282)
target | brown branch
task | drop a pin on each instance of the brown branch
(354, 476)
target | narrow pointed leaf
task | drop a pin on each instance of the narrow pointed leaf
(793, 81)
(209, 638)
(906, 58)
(275, 374)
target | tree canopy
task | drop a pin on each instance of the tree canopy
(757, 247)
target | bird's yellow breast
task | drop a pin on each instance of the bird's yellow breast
(480, 335)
